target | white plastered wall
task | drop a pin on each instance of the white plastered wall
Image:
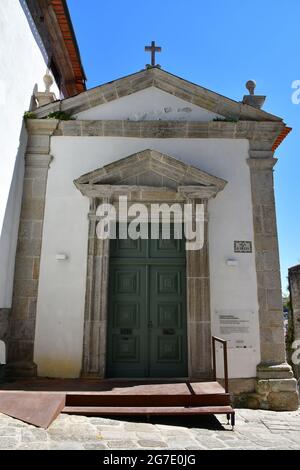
(60, 310)
(22, 67)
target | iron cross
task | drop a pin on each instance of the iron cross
(153, 49)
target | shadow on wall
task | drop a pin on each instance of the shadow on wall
(9, 231)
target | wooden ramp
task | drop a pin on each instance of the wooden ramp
(40, 401)
(37, 408)
(122, 398)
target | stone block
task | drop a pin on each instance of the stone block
(27, 188)
(199, 334)
(272, 353)
(25, 288)
(38, 144)
(30, 248)
(264, 196)
(32, 307)
(132, 128)
(20, 350)
(265, 386)
(112, 128)
(198, 299)
(39, 126)
(262, 299)
(247, 400)
(4, 323)
(37, 229)
(283, 385)
(21, 368)
(91, 128)
(109, 93)
(197, 262)
(262, 387)
(36, 268)
(32, 172)
(39, 188)
(20, 307)
(23, 267)
(70, 128)
(270, 262)
(276, 371)
(25, 228)
(22, 329)
(257, 219)
(267, 243)
(283, 401)
(32, 209)
(269, 219)
(270, 318)
(274, 298)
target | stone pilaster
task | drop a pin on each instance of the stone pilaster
(95, 322)
(23, 314)
(198, 306)
(275, 387)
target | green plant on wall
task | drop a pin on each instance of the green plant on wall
(60, 115)
(218, 119)
(29, 115)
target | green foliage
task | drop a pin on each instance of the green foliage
(225, 119)
(29, 115)
(60, 115)
(290, 336)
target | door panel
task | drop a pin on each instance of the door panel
(147, 334)
(128, 248)
(127, 323)
(167, 248)
(168, 322)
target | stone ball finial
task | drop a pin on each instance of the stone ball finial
(48, 80)
(250, 85)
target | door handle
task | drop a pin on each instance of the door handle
(150, 324)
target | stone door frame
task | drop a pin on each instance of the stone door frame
(96, 308)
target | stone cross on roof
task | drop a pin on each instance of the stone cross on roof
(153, 49)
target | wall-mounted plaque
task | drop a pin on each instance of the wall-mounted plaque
(237, 327)
(241, 246)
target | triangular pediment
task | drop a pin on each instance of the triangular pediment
(149, 168)
(194, 95)
(150, 104)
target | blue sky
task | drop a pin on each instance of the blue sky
(220, 45)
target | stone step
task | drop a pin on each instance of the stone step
(147, 410)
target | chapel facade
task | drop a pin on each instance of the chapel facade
(147, 308)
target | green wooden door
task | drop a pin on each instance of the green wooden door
(147, 334)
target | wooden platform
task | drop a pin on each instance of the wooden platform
(125, 397)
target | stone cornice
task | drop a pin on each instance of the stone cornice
(166, 82)
(147, 193)
(253, 131)
(41, 126)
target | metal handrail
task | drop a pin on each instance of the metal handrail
(224, 344)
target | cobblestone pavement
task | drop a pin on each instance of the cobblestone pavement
(254, 430)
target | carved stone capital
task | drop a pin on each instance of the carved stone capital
(262, 163)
